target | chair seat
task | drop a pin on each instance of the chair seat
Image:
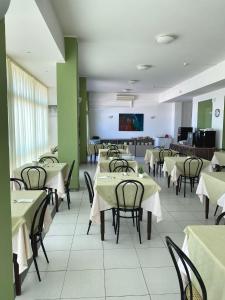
(196, 295)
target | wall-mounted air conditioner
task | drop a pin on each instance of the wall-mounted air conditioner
(125, 97)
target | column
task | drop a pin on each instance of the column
(67, 101)
(83, 120)
(6, 279)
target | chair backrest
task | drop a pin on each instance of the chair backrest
(180, 154)
(34, 177)
(163, 153)
(38, 219)
(113, 153)
(188, 266)
(117, 162)
(67, 184)
(129, 194)
(126, 169)
(89, 185)
(18, 184)
(219, 218)
(55, 149)
(48, 159)
(192, 167)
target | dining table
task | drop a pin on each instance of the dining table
(56, 177)
(103, 152)
(204, 245)
(218, 159)
(49, 154)
(152, 157)
(174, 167)
(211, 188)
(105, 197)
(23, 206)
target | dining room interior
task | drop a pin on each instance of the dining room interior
(112, 134)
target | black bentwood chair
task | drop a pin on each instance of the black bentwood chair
(19, 184)
(117, 162)
(126, 169)
(112, 147)
(160, 162)
(67, 183)
(48, 159)
(220, 218)
(89, 185)
(129, 195)
(187, 291)
(37, 231)
(113, 153)
(191, 171)
(34, 178)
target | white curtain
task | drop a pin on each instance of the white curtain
(28, 116)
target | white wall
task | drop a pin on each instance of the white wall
(218, 102)
(52, 118)
(104, 116)
(186, 118)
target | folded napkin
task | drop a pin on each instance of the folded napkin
(23, 200)
(103, 177)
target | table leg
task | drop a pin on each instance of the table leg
(168, 180)
(154, 170)
(16, 275)
(149, 168)
(102, 217)
(149, 224)
(206, 207)
(56, 201)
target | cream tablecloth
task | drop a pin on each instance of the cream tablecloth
(152, 156)
(56, 175)
(174, 166)
(218, 158)
(103, 165)
(22, 215)
(204, 245)
(105, 198)
(212, 185)
(103, 152)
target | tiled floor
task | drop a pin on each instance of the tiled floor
(83, 267)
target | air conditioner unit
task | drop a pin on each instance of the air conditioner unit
(125, 97)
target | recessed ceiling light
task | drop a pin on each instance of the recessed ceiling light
(186, 64)
(127, 90)
(133, 81)
(165, 38)
(143, 67)
(28, 52)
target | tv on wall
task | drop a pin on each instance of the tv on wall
(131, 122)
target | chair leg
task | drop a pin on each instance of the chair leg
(216, 210)
(139, 228)
(43, 248)
(89, 226)
(191, 183)
(36, 267)
(184, 187)
(149, 168)
(133, 218)
(118, 227)
(68, 198)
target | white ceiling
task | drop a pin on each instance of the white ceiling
(116, 35)
(26, 31)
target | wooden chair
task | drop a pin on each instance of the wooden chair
(188, 291)
(67, 183)
(89, 185)
(160, 162)
(191, 171)
(117, 162)
(48, 159)
(133, 207)
(113, 153)
(34, 177)
(220, 218)
(36, 233)
(19, 184)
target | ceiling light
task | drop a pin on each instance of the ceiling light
(186, 64)
(165, 38)
(127, 90)
(28, 52)
(143, 67)
(133, 81)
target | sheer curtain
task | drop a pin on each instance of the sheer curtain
(28, 116)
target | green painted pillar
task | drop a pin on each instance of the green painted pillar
(6, 276)
(83, 120)
(67, 101)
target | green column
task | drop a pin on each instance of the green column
(6, 279)
(83, 120)
(67, 98)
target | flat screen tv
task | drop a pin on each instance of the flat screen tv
(131, 122)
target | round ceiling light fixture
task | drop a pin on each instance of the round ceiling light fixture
(127, 90)
(143, 67)
(133, 81)
(165, 38)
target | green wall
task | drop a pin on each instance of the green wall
(6, 280)
(205, 114)
(83, 120)
(67, 99)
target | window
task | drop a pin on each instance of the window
(28, 116)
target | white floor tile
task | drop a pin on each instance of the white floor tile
(81, 284)
(53, 243)
(86, 242)
(86, 260)
(154, 257)
(125, 282)
(65, 218)
(120, 258)
(166, 297)
(61, 229)
(147, 297)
